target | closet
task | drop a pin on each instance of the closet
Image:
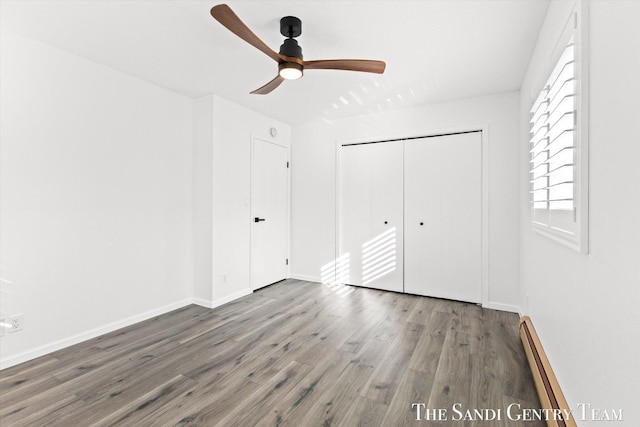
(410, 215)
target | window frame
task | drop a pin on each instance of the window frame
(576, 29)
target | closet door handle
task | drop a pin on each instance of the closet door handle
(386, 222)
(422, 223)
(256, 219)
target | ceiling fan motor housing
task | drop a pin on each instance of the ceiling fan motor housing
(290, 27)
(291, 48)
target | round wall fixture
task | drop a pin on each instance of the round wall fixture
(273, 132)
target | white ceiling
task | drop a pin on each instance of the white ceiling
(435, 50)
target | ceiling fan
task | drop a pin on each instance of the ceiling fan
(289, 59)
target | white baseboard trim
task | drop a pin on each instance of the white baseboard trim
(220, 301)
(75, 339)
(306, 278)
(503, 307)
(206, 303)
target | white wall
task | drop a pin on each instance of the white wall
(95, 201)
(314, 187)
(223, 176)
(585, 307)
(203, 200)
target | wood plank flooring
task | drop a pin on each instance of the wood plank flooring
(293, 354)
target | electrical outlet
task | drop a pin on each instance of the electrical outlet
(225, 277)
(16, 323)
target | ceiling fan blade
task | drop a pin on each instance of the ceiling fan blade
(269, 86)
(224, 15)
(366, 65)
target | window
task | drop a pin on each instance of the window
(558, 145)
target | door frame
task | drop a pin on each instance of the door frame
(254, 139)
(431, 132)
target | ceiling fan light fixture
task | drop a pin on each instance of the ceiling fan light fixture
(291, 65)
(290, 70)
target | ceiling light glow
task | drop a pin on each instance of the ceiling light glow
(290, 70)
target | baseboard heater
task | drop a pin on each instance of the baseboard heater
(549, 392)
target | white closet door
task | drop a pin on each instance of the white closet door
(371, 216)
(443, 216)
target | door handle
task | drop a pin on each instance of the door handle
(256, 219)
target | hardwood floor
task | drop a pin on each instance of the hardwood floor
(296, 354)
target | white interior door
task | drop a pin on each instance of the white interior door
(370, 235)
(269, 207)
(443, 211)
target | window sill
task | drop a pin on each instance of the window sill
(569, 240)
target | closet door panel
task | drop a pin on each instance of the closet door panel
(371, 217)
(443, 214)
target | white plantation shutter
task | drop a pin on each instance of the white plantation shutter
(555, 147)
